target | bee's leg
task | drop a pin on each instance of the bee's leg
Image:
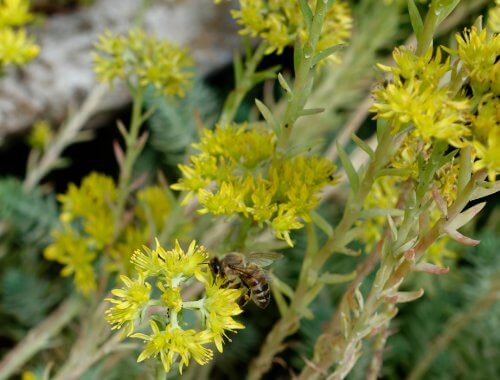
(246, 297)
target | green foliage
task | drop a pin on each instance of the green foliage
(27, 296)
(30, 215)
(173, 126)
(470, 354)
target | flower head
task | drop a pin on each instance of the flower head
(173, 341)
(143, 60)
(171, 337)
(280, 22)
(219, 308)
(132, 300)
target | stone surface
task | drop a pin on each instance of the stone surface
(59, 79)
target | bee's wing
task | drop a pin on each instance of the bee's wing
(263, 259)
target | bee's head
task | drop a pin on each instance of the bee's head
(216, 267)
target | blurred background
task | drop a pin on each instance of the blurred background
(454, 329)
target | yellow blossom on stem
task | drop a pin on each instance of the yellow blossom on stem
(143, 60)
(479, 51)
(219, 308)
(489, 154)
(16, 48)
(280, 22)
(175, 341)
(132, 300)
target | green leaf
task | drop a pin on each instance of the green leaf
(394, 172)
(376, 212)
(465, 217)
(352, 175)
(335, 278)
(306, 13)
(485, 189)
(444, 10)
(284, 84)
(363, 145)
(416, 19)
(267, 114)
(326, 53)
(322, 224)
(311, 111)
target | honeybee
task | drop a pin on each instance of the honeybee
(246, 271)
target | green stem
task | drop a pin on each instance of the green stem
(314, 261)
(234, 99)
(132, 151)
(304, 76)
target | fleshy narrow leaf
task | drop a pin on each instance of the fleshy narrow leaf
(485, 189)
(322, 224)
(334, 278)
(375, 212)
(440, 202)
(311, 111)
(430, 268)
(363, 145)
(306, 13)
(406, 246)
(267, 114)
(352, 175)
(326, 53)
(392, 226)
(284, 84)
(394, 172)
(445, 11)
(402, 297)
(416, 19)
(466, 216)
(457, 236)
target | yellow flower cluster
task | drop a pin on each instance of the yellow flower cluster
(16, 48)
(462, 108)
(88, 228)
(169, 339)
(280, 22)
(415, 97)
(143, 60)
(238, 171)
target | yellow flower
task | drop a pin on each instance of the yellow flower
(174, 341)
(175, 265)
(133, 298)
(40, 135)
(16, 48)
(279, 22)
(75, 253)
(171, 297)
(14, 13)
(285, 221)
(430, 110)
(143, 59)
(437, 252)
(479, 52)
(92, 203)
(238, 171)
(489, 154)
(219, 308)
